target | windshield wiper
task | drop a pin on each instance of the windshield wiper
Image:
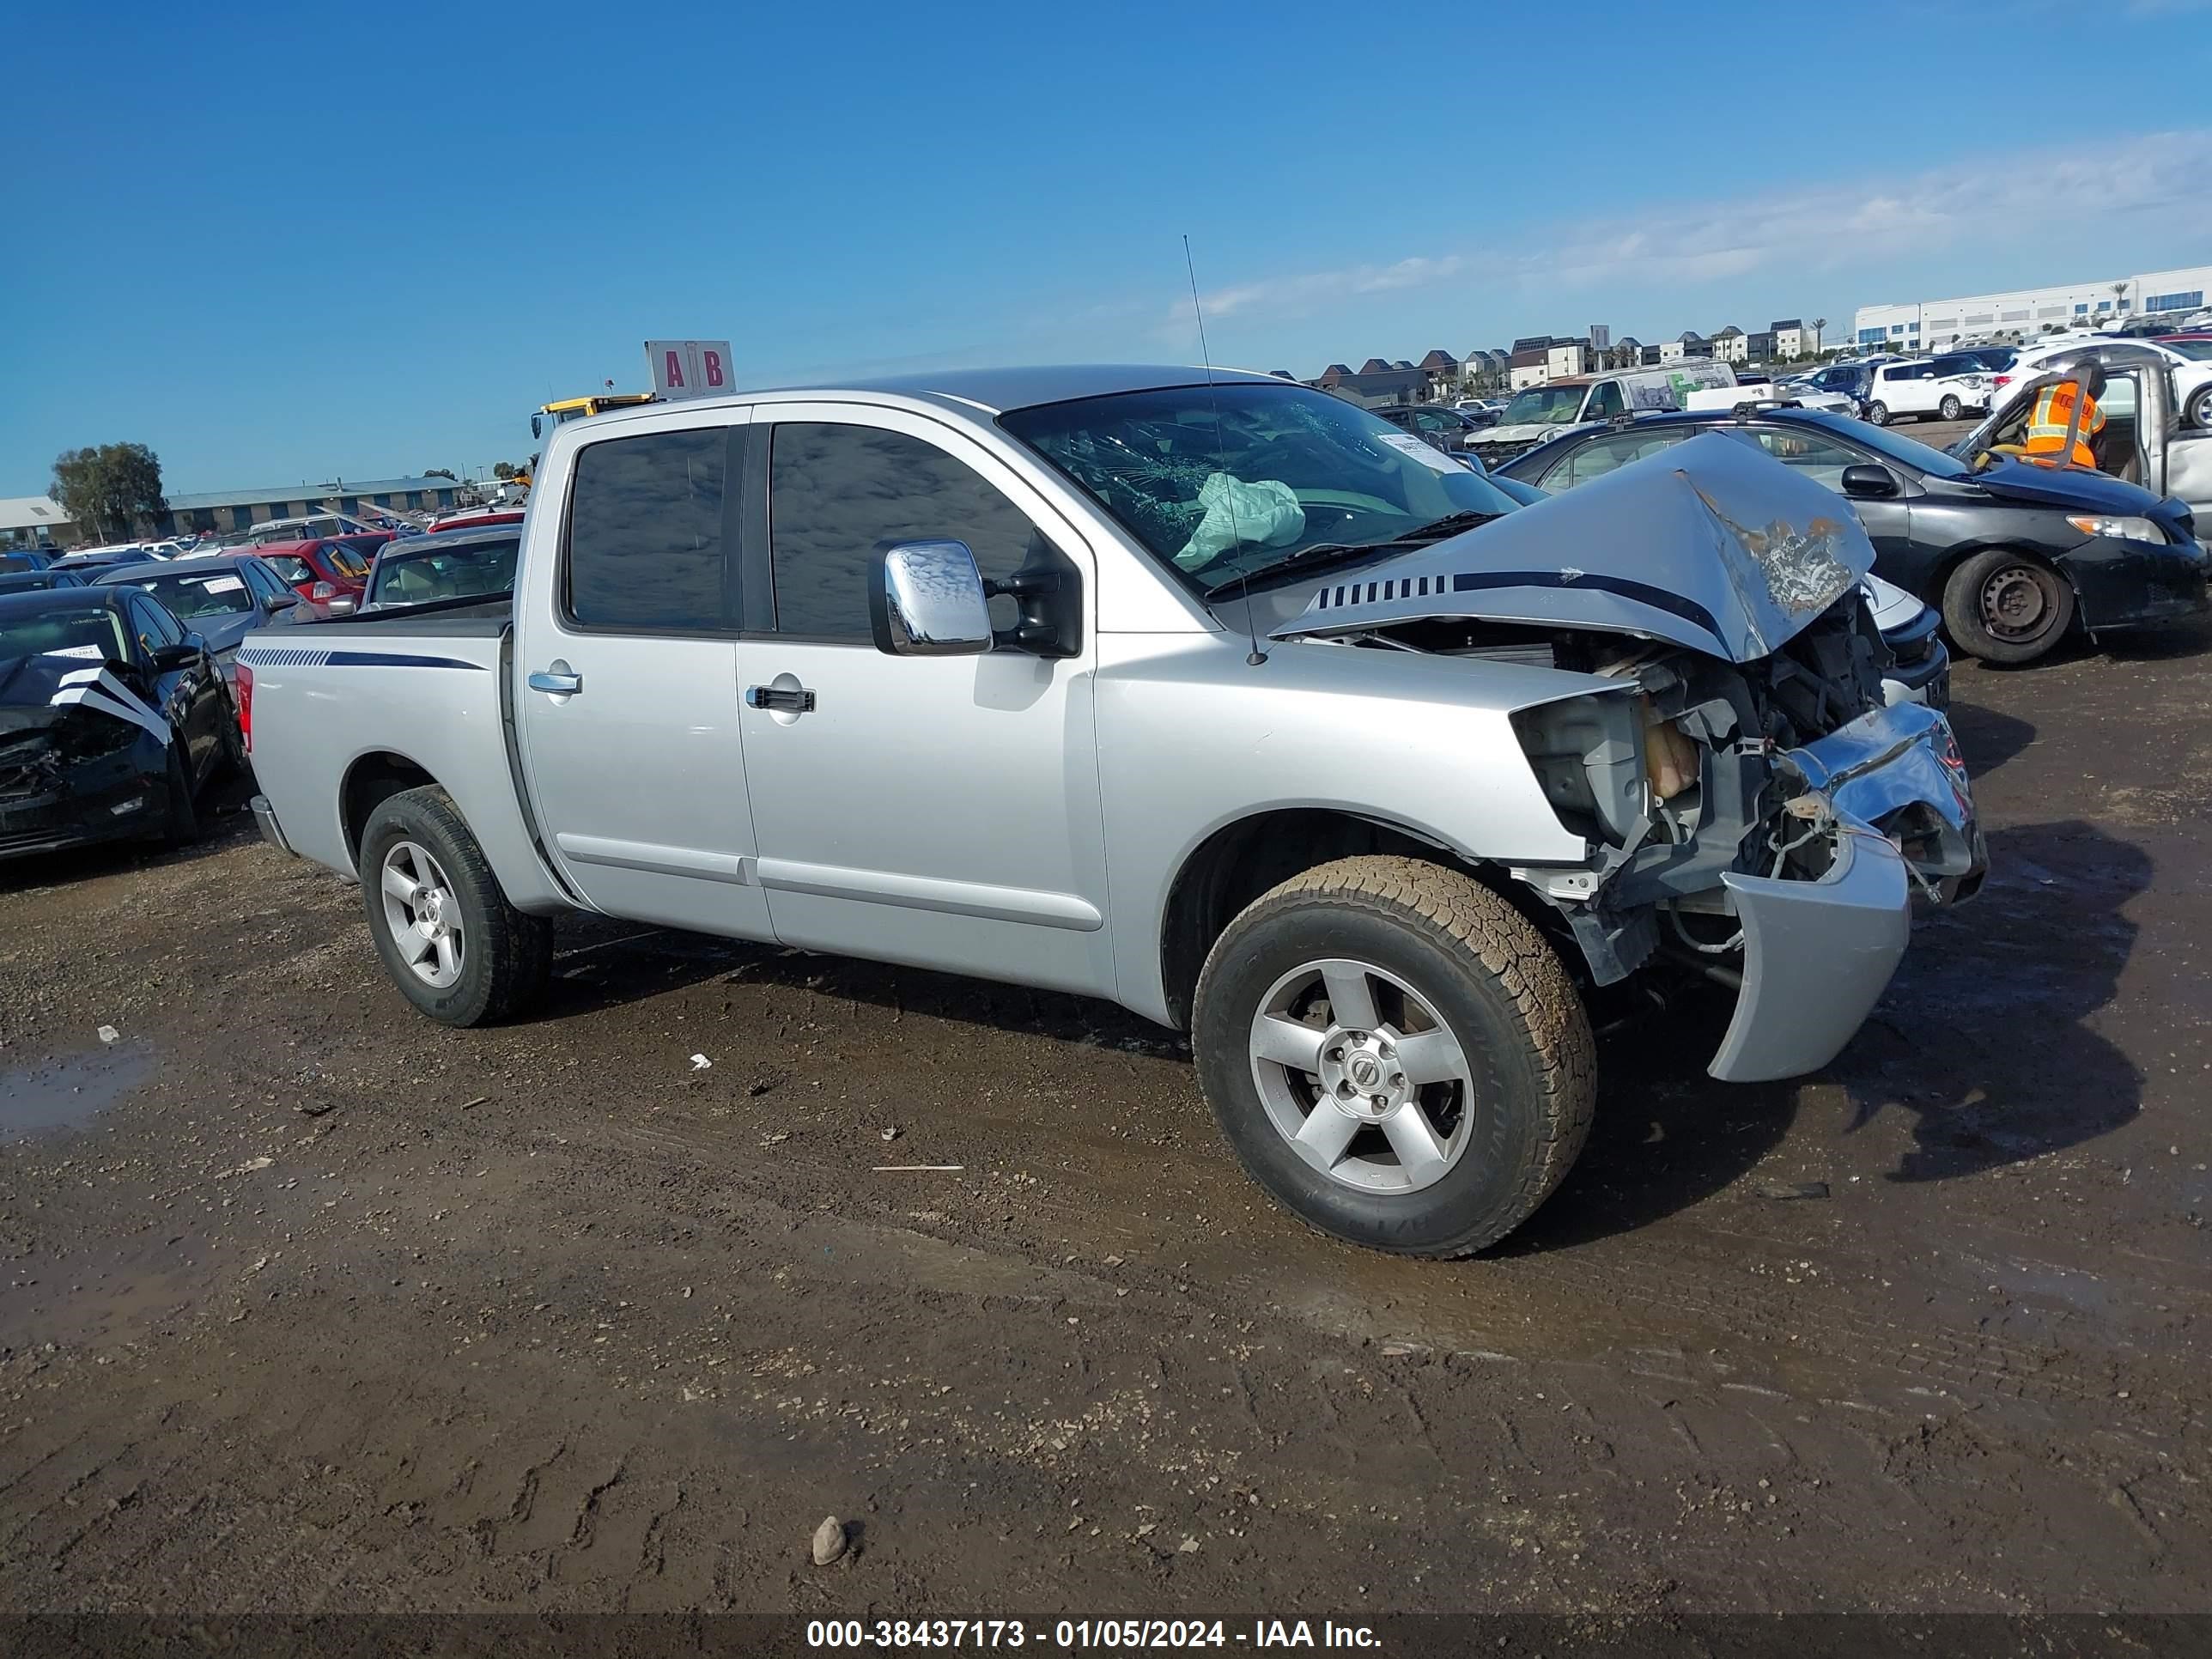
(1327, 552)
(1435, 531)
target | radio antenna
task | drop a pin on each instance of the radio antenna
(1221, 457)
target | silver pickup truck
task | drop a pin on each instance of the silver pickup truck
(1217, 697)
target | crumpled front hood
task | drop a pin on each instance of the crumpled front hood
(1710, 543)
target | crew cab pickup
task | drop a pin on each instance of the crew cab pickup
(1211, 695)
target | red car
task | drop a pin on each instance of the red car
(319, 572)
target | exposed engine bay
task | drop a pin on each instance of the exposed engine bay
(1727, 755)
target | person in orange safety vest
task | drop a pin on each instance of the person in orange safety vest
(2055, 416)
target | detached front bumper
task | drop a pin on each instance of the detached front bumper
(1890, 791)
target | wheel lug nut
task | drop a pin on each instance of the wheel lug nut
(1345, 1089)
(1397, 1081)
(1336, 1054)
(1377, 1102)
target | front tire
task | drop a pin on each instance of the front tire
(1948, 408)
(2200, 410)
(449, 939)
(2006, 607)
(1878, 414)
(181, 825)
(1396, 1055)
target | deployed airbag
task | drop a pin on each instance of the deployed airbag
(1263, 513)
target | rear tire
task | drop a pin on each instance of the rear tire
(1878, 414)
(501, 959)
(2006, 607)
(1434, 1118)
(1948, 408)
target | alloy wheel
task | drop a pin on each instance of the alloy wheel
(1360, 1075)
(423, 915)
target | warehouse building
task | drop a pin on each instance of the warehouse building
(1933, 325)
(221, 510)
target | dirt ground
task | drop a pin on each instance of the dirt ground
(308, 1304)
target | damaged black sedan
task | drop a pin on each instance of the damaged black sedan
(113, 718)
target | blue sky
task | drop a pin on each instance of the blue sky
(291, 242)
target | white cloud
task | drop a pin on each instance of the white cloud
(1999, 198)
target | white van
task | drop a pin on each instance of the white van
(1538, 412)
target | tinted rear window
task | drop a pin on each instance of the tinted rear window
(647, 546)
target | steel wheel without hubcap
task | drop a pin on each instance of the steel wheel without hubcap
(424, 914)
(1361, 1077)
(2016, 605)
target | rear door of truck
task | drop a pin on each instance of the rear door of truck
(626, 616)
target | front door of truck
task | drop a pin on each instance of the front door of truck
(626, 675)
(937, 811)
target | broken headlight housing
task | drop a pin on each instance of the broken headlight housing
(1588, 754)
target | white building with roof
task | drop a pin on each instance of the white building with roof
(1933, 325)
(34, 521)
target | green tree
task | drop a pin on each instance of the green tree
(106, 489)
(438, 473)
(502, 470)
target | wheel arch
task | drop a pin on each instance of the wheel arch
(1248, 856)
(370, 780)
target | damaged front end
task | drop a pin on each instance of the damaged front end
(1753, 811)
(76, 765)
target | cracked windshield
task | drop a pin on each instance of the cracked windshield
(1228, 482)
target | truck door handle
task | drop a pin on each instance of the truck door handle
(781, 699)
(557, 680)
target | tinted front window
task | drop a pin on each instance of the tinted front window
(1890, 444)
(1592, 460)
(156, 626)
(837, 493)
(1285, 469)
(647, 542)
(291, 566)
(1810, 455)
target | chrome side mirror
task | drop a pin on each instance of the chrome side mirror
(925, 599)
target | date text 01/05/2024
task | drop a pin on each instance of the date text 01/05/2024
(1103, 1633)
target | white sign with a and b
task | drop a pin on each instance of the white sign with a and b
(690, 368)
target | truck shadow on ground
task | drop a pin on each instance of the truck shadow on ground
(1987, 738)
(1982, 1043)
(599, 964)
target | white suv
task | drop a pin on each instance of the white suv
(1913, 386)
(2190, 360)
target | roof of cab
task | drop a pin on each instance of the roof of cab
(977, 391)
